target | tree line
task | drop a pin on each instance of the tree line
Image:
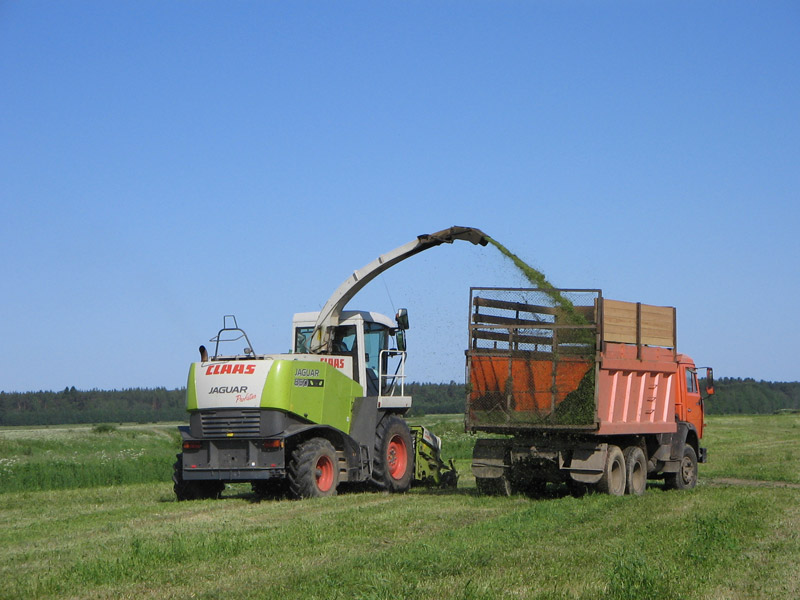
(140, 405)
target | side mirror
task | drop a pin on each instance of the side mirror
(400, 336)
(709, 381)
(402, 319)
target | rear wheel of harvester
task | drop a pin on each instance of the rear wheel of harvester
(613, 479)
(635, 471)
(686, 477)
(393, 467)
(313, 471)
(193, 490)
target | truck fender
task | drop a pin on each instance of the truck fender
(686, 434)
(587, 463)
(670, 452)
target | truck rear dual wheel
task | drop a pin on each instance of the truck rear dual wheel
(635, 471)
(313, 470)
(614, 476)
(393, 465)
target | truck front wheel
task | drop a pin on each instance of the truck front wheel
(313, 471)
(686, 477)
(393, 466)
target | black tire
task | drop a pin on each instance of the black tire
(686, 477)
(635, 471)
(393, 464)
(493, 486)
(193, 490)
(613, 479)
(313, 470)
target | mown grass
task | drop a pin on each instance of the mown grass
(758, 447)
(133, 540)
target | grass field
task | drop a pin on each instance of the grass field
(89, 513)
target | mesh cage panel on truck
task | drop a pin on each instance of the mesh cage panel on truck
(531, 358)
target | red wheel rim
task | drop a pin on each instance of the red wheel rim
(397, 457)
(324, 473)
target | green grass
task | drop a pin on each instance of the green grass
(132, 540)
(49, 458)
(759, 447)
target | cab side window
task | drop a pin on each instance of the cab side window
(691, 381)
(302, 338)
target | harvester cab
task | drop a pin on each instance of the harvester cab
(369, 340)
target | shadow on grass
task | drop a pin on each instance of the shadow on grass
(551, 491)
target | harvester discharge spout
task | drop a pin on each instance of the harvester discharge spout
(331, 312)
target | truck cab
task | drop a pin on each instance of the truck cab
(689, 402)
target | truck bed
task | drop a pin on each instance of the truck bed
(568, 360)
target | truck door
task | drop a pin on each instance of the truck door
(692, 402)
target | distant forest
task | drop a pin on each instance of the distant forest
(71, 406)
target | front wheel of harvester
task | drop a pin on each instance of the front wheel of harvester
(686, 477)
(193, 490)
(314, 470)
(635, 471)
(613, 479)
(393, 467)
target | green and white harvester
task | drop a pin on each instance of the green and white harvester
(330, 412)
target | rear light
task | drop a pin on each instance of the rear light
(192, 445)
(272, 444)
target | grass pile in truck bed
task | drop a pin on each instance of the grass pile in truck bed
(531, 357)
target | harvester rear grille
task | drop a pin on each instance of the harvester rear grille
(231, 423)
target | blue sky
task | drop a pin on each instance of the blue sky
(165, 163)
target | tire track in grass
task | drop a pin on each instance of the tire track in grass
(733, 481)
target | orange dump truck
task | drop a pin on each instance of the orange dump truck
(588, 391)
